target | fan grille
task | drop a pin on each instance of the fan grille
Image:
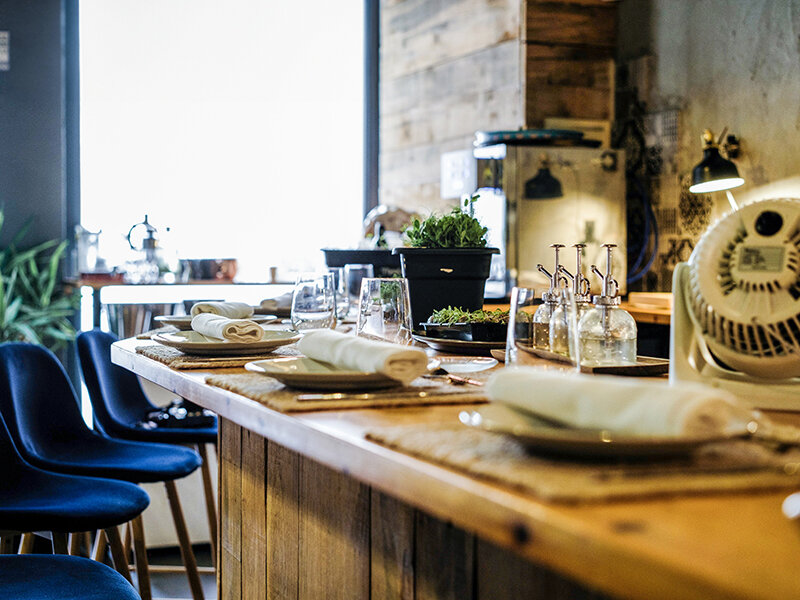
(752, 312)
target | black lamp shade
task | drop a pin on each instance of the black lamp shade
(714, 173)
(543, 186)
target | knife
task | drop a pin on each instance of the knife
(376, 395)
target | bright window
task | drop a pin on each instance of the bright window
(238, 124)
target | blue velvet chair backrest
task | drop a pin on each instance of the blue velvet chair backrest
(37, 401)
(116, 394)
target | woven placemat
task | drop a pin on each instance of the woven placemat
(146, 335)
(175, 359)
(273, 394)
(722, 467)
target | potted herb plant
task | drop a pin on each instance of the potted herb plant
(447, 262)
(33, 305)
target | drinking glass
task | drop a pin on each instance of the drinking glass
(384, 310)
(564, 327)
(353, 274)
(520, 324)
(314, 302)
(342, 297)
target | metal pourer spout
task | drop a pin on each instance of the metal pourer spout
(610, 286)
(554, 277)
(580, 284)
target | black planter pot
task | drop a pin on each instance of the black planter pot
(439, 277)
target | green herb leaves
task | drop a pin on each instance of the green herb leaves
(450, 315)
(457, 229)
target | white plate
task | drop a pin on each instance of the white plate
(184, 322)
(466, 364)
(543, 436)
(307, 373)
(192, 342)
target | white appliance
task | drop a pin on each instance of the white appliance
(590, 210)
(736, 317)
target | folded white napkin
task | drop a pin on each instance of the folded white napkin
(637, 407)
(283, 301)
(360, 354)
(223, 328)
(232, 310)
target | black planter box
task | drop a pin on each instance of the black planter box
(468, 332)
(383, 262)
(439, 277)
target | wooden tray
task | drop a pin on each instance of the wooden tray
(646, 366)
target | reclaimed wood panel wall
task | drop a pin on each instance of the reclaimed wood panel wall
(292, 529)
(449, 68)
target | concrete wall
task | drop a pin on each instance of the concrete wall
(714, 63)
(32, 173)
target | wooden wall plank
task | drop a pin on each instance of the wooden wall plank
(254, 528)
(419, 34)
(571, 24)
(392, 549)
(445, 558)
(283, 534)
(334, 534)
(229, 573)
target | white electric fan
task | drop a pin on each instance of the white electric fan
(736, 318)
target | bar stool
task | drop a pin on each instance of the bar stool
(40, 577)
(119, 403)
(35, 500)
(41, 411)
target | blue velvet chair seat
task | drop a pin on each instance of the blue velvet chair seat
(37, 577)
(36, 500)
(117, 398)
(41, 411)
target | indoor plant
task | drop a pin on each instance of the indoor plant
(447, 262)
(33, 305)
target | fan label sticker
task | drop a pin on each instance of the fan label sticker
(761, 258)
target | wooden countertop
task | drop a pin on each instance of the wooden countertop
(718, 546)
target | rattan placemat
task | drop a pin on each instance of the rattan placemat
(146, 335)
(175, 359)
(723, 467)
(273, 394)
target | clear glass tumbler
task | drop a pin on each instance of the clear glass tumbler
(384, 310)
(314, 302)
(340, 287)
(353, 274)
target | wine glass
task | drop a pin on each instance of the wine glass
(314, 302)
(384, 310)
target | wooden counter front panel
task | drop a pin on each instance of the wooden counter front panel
(294, 529)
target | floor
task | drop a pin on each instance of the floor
(175, 585)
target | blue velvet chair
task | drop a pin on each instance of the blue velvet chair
(40, 577)
(35, 500)
(41, 411)
(119, 404)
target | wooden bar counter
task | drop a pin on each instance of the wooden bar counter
(311, 509)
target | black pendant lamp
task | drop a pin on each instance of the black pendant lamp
(714, 173)
(543, 185)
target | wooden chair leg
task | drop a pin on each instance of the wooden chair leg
(127, 540)
(140, 555)
(75, 544)
(26, 543)
(99, 549)
(211, 508)
(60, 543)
(7, 544)
(118, 553)
(183, 538)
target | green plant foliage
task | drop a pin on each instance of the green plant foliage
(456, 229)
(33, 306)
(450, 315)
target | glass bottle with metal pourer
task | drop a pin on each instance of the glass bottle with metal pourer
(560, 329)
(606, 332)
(543, 314)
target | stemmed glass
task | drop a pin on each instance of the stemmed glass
(384, 310)
(314, 302)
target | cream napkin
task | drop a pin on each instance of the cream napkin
(223, 328)
(359, 354)
(284, 301)
(232, 310)
(621, 405)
